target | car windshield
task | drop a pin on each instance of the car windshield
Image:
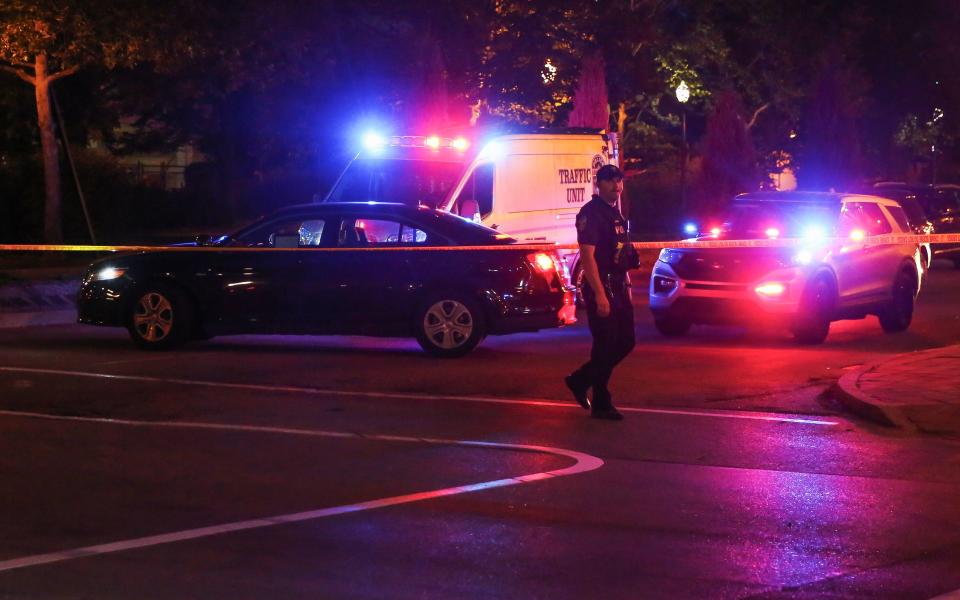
(760, 220)
(410, 182)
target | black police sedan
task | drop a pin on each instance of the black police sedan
(365, 268)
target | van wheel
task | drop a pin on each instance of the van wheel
(161, 317)
(671, 326)
(898, 314)
(450, 325)
(816, 305)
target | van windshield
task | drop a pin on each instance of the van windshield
(410, 182)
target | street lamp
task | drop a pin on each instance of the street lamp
(683, 95)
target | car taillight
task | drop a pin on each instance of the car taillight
(548, 265)
(542, 262)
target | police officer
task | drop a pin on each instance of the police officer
(605, 257)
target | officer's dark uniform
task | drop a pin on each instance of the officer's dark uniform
(602, 226)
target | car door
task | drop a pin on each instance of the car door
(262, 291)
(865, 269)
(881, 260)
(371, 283)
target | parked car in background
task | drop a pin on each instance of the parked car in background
(917, 219)
(941, 203)
(803, 288)
(315, 270)
(945, 211)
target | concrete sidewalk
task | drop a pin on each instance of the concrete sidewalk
(917, 391)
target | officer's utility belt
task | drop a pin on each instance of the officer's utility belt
(614, 282)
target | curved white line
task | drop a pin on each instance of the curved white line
(583, 463)
(413, 396)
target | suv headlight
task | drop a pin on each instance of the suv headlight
(670, 256)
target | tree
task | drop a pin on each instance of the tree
(729, 160)
(831, 156)
(44, 41)
(591, 107)
(529, 62)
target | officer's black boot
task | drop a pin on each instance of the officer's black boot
(578, 387)
(603, 406)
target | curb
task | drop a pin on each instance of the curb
(866, 406)
(910, 418)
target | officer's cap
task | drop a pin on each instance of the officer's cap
(609, 173)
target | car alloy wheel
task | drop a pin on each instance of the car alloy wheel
(450, 326)
(161, 317)
(153, 317)
(898, 313)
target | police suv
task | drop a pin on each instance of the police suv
(834, 272)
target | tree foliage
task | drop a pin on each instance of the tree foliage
(729, 159)
(265, 89)
(591, 105)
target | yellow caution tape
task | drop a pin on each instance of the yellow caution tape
(937, 238)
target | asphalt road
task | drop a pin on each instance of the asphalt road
(256, 467)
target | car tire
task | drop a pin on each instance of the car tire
(160, 317)
(449, 324)
(577, 278)
(672, 326)
(816, 305)
(897, 315)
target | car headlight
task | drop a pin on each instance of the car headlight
(108, 273)
(670, 256)
(803, 257)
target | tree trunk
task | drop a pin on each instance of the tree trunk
(52, 229)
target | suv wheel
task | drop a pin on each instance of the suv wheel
(450, 325)
(161, 317)
(813, 321)
(671, 326)
(898, 314)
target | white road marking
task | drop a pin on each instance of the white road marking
(750, 416)
(135, 361)
(583, 463)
